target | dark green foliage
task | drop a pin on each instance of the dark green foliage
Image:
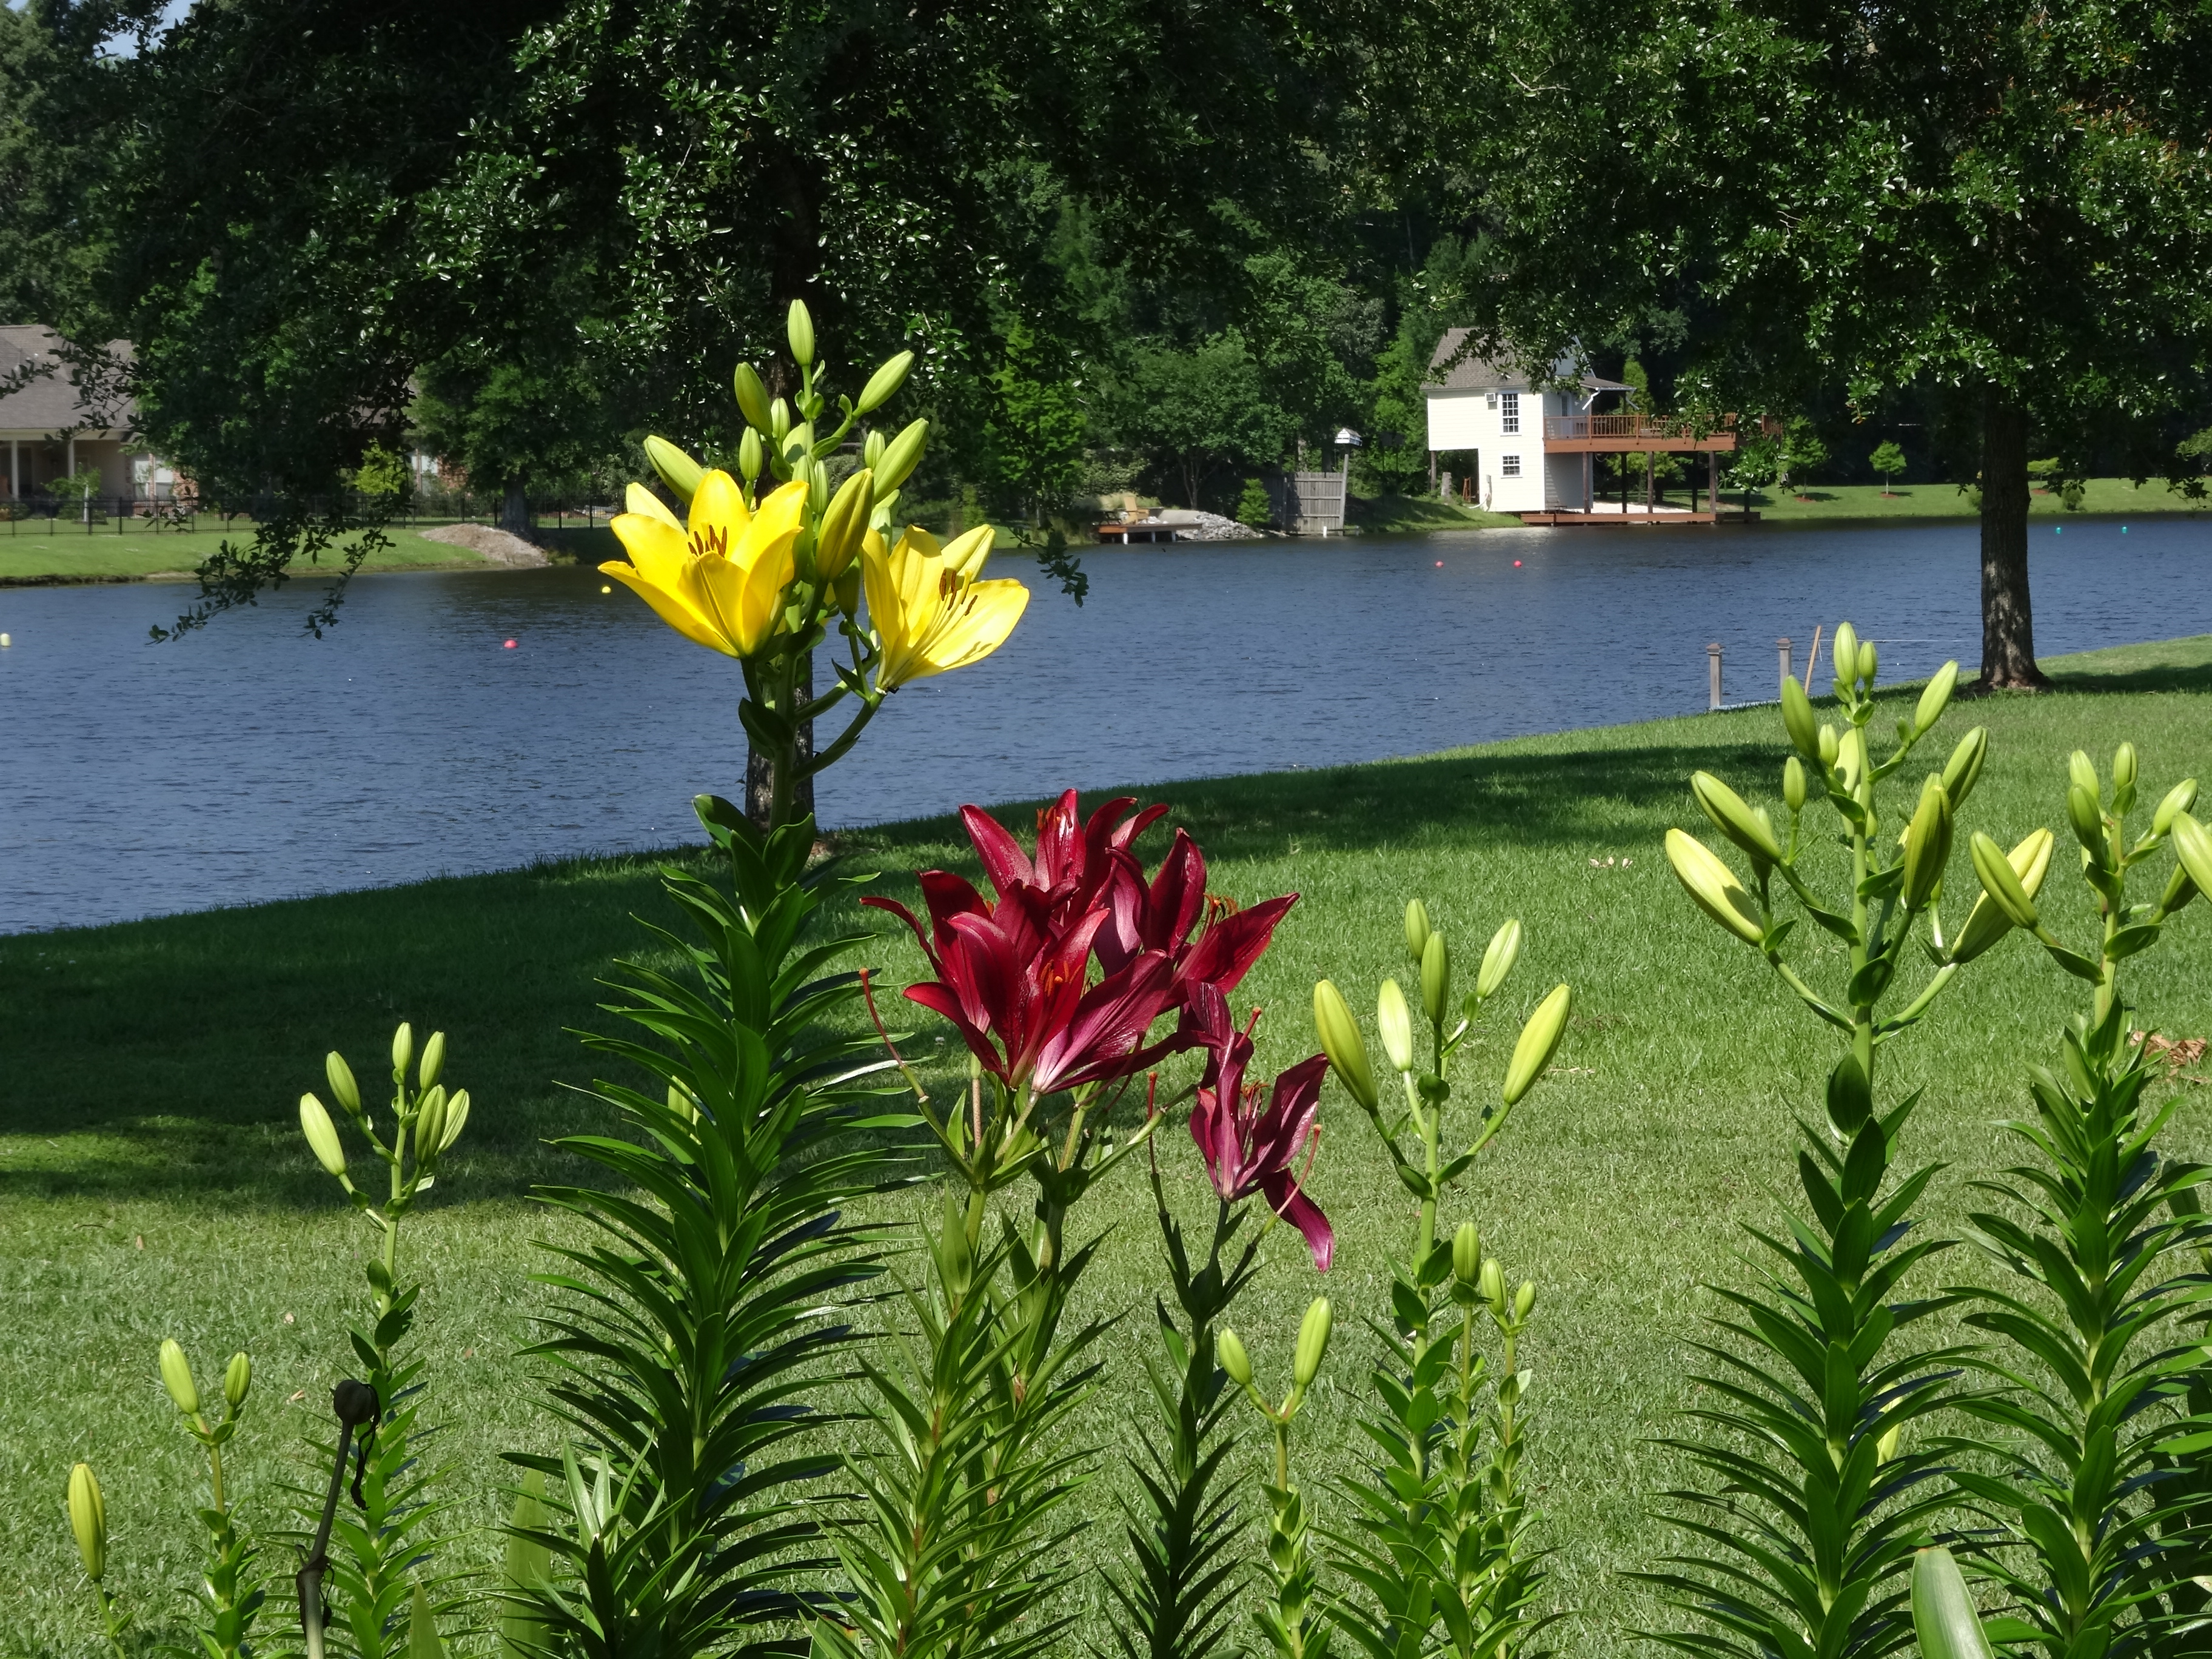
(691, 1340)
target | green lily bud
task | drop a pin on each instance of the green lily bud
(847, 591)
(1799, 720)
(1228, 1349)
(402, 1049)
(1869, 661)
(2179, 799)
(751, 457)
(900, 457)
(1394, 1024)
(1793, 784)
(1964, 769)
(2193, 846)
(1436, 979)
(1538, 1042)
(1844, 653)
(796, 448)
(1734, 818)
(2002, 882)
(430, 1127)
(1492, 1285)
(237, 1381)
(799, 329)
(843, 524)
(434, 1061)
(883, 386)
(872, 453)
(2179, 889)
(322, 1136)
(1987, 922)
(1467, 1253)
(2082, 774)
(1498, 961)
(1935, 698)
(176, 1377)
(779, 425)
(1712, 886)
(1341, 1041)
(1829, 746)
(1927, 844)
(2088, 823)
(1851, 759)
(1524, 1299)
(1313, 1343)
(1417, 928)
(2123, 779)
(752, 398)
(341, 1080)
(456, 1115)
(677, 470)
(88, 1519)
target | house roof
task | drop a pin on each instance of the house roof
(1473, 373)
(50, 401)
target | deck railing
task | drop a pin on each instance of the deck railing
(1660, 428)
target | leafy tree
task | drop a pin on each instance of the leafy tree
(1253, 506)
(1200, 410)
(1888, 460)
(1802, 453)
(1036, 424)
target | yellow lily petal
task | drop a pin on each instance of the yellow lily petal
(645, 504)
(655, 546)
(672, 609)
(965, 556)
(719, 516)
(920, 541)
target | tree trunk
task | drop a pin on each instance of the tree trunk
(760, 786)
(514, 512)
(2008, 622)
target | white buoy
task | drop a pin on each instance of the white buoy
(5, 642)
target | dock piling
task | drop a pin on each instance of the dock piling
(1713, 674)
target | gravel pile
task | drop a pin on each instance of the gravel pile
(1213, 527)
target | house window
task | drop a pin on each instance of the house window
(1509, 466)
(1508, 414)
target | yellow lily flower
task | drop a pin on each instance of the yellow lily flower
(929, 611)
(717, 580)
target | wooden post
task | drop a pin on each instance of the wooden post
(1713, 675)
(1651, 480)
(1781, 646)
(1713, 481)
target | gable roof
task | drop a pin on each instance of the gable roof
(51, 401)
(1480, 374)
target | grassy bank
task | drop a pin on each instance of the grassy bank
(28, 553)
(2115, 497)
(152, 1181)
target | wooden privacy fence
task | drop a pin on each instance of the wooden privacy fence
(1307, 503)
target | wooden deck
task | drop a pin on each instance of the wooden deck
(1620, 434)
(1610, 517)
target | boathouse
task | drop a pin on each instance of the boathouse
(1528, 441)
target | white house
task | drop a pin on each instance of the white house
(1497, 417)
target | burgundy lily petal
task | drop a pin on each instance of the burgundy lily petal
(939, 1000)
(948, 896)
(1057, 842)
(1178, 895)
(1289, 1200)
(1003, 859)
(1108, 1025)
(1279, 1135)
(1225, 952)
(921, 936)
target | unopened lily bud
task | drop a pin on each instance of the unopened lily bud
(677, 470)
(1886, 1447)
(1394, 1022)
(1538, 1042)
(1927, 844)
(2193, 846)
(1987, 922)
(402, 1049)
(1713, 886)
(900, 457)
(751, 456)
(1228, 1349)
(1935, 697)
(322, 1136)
(1845, 655)
(237, 1381)
(1964, 769)
(87, 1517)
(883, 386)
(872, 453)
(434, 1061)
(1492, 1285)
(2179, 799)
(1313, 1343)
(1524, 1298)
(2123, 772)
(2179, 889)
(1341, 1041)
(1868, 662)
(1467, 1253)
(799, 329)
(847, 591)
(1497, 960)
(1436, 979)
(1829, 746)
(1417, 928)
(341, 1080)
(752, 397)
(1851, 758)
(1799, 720)
(2088, 822)
(1793, 784)
(779, 425)
(176, 1377)
(2082, 774)
(430, 1127)
(456, 1115)
(843, 524)
(2002, 882)
(1733, 816)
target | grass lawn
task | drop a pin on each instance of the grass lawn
(153, 1181)
(28, 553)
(2118, 496)
(1407, 516)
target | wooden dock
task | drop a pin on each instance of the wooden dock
(1614, 519)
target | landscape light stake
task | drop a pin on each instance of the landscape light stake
(356, 1404)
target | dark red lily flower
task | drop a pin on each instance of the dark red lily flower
(1072, 865)
(1250, 1150)
(1161, 915)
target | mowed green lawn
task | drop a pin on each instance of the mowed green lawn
(2116, 497)
(153, 1183)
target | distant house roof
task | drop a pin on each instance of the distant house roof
(51, 401)
(1480, 374)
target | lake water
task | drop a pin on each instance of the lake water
(251, 761)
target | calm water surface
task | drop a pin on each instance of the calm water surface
(250, 761)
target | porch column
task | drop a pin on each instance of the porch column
(70, 455)
(14, 469)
